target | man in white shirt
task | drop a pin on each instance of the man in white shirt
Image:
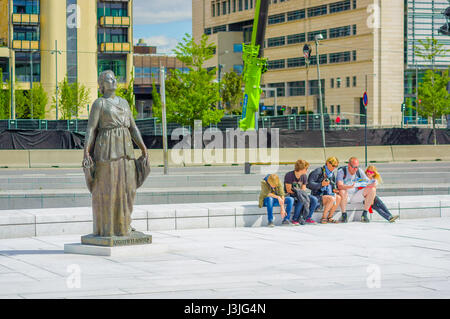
(355, 187)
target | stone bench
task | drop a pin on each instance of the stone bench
(61, 221)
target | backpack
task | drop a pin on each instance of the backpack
(345, 168)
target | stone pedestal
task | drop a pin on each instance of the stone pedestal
(118, 251)
(136, 244)
(135, 238)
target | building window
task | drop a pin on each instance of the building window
(338, 83)
(224, 8)
(340, 32)
(354, 4)
(28, 7)
(237, 47)
(314, 87)
(276, 42)
(354, 29)
(354, 55)
(339, 57)
(213, 9)
(276, 18)
(296, 88)
(276, 64)
(312, 35)
(238, 68)
(332, 109)
(347, 80)
(280, 89)
(246, 4)
(338, 109)
(323, 59)
(295, 62)
(118, 64)
(340, 6)
(220, 28)
(296, 15)
(332, 83)
(112, 9)
(208, 31)
(234, 5)
(29, 33)
(296, 38)
(240, 5)
(317, 11)
(354, 81)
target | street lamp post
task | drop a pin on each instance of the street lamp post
(322, 124)
(56, 52)
(307, 54)
(365, 120)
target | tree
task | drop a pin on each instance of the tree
(430, 91)
(38, 99)
(192, 95)
(22, 110)
(128, 94)
(156, 98)
(231, 91)
(5, 96)
(72, 98)
(435, 99)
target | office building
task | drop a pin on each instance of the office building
(76, 39)
(362, 50)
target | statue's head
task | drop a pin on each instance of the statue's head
(107, 81)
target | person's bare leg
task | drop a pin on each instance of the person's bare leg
(369, 197)
(344, 199)
(327, 205)
(337, 201)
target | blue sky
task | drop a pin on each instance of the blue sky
(162, 23)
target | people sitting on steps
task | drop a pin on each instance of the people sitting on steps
(355, 187)
(378, 205)
(295, 186)
(272, 195)
(322, 183)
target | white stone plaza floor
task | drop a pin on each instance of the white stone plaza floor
(407, 259)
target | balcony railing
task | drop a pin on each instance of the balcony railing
(115, 21)
(25, 45)
(20, 18)
(115, 47)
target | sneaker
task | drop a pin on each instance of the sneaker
(286, 222)
(344, 217)
(295, 223)
(302, 221)
(270, 224)
(310, 221)
(364, 217)
(393, 218)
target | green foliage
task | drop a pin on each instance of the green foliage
(127, 93)
(21, 104)
(5, 96)
(192, 96)
(39, 100)
(193, 54)
(231, 91)
(156, 97)
(72, 99)
(434, 96)
(429, 49)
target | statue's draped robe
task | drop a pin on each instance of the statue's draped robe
(114, 186)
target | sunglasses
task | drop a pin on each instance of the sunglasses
(370, 172)
(354, 166)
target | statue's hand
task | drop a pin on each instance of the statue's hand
(87, 160)
(145, 153)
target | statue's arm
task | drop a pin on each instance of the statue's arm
(91, 130)
(136, 136)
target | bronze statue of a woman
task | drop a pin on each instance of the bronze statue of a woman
(109, 162)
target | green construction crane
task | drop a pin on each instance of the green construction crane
(254, 66)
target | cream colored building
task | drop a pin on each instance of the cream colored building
(76, 39)
(362, 50)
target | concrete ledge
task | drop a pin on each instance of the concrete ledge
(47, 222)
(406, 153)
(15, 158)
(55, 158)
(123, 251)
